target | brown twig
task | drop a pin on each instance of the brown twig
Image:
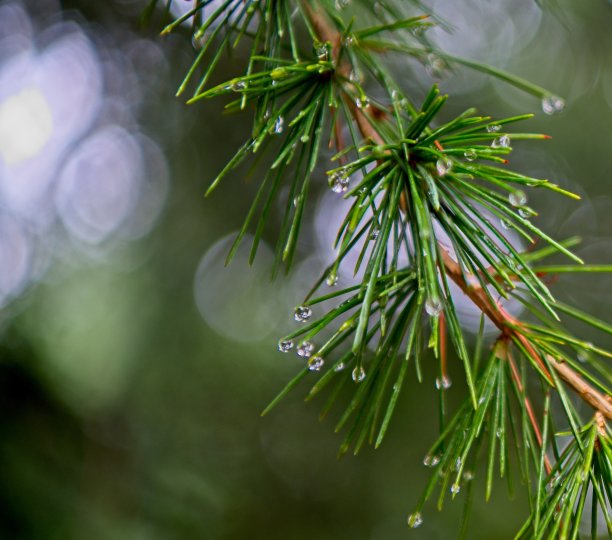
(528, 407)
(507, 324)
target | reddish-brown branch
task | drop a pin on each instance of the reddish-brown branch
(528, 407)
(507, 324)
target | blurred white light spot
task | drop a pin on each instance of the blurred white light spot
(14, 259)
(99, 184)
(71, 152)
(25, 125)
(240, 302)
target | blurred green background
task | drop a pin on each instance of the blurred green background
(133, 367)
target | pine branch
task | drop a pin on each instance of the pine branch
(418, 180)
(504, 321)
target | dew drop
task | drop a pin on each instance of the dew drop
(315, 363)
(443, 383)
(493, 128)
(517, 198)
(435, 66)
(470, 155)
(332, 279)
(583, 356)
(339, 182)
(322, 51)
(341, 4)
(348, 41)
(285, 345)
(374, 234)
(524, 213)
(237, 86)
(305, 349)
(443, 166)
(505, 224)
(458, 464)
(501, 142)
(552, 104)
(415, 520)
(302, 313)
(355, 76)
(305, 138)
(499, 433)
(339, 367)
(468, 476)
(455, 488)
(358, 374)
(433, 307)
(362, 102)
(279, 125)
(431, 461)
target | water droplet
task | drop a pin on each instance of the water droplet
(458, 464)
(481, 400)
(322, 51)
(417, 30)
(305, 138)
(332, 279)
(524, 213)
(455, 488)
(358, 374)
(302, 313)
(468, 476)
(236, 86)
(431, 461)
(305, 349)
(505, 224)
(552, 104)
(279, 125)
(493, 128)
(552, 482)
(374, 234)
(339, 367)
(499, 433)
(355, 76)
(443, 383)
(415, 520)
(443, 166)
(362, 102)
(339, 182)
(470, 154)
(501, 142)
(348, 41)
(341, 4)
(285, 345)
(582, 356)
(315, 363)
(433, 307)
(435, 66)
(517, 198)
